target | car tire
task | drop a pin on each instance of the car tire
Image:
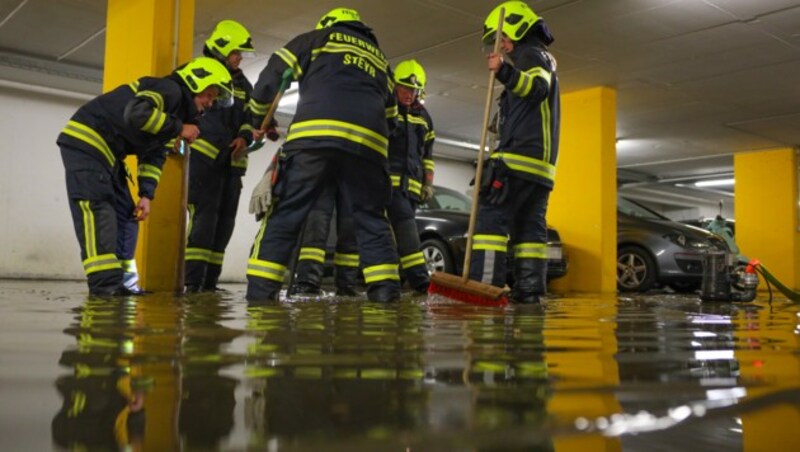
(685, 287)
(437, 256)
(636, 270)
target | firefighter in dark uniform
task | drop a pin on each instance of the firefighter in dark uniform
(311, 257)
(338, 136)
(219, 160)
(137, 118)
(521, 170)
(411, 170)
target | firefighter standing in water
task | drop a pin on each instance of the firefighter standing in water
(218, 163)
(521, 171)
(137, 118)
(338, 136)
(311, 258)
(411, 170)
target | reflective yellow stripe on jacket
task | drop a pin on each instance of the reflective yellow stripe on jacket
(524, 85)
(325, 128)
(206, 148)
(151, 171)
(90, 137)
(527, 164)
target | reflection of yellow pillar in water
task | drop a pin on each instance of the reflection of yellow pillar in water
(769, 357)
(593, 366)
(156, 312)
(150, 37)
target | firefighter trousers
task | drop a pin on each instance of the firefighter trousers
(214, 193)
(96, 195)
(412, 262)
(314, 244)
(521, 216)
(302, 176)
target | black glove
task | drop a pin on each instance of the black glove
(496, 187)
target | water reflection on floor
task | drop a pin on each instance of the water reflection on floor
(584, 373)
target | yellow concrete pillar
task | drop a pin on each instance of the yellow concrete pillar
(152, 37)
(583, 205)
(767, 211)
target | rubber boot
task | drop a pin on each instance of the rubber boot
(530, 281)
(212, 278)
(261, 291)
(346, 281)
(384, 292)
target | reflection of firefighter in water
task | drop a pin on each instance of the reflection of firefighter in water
(103, 404)
(346, 369)
(504, 375)
(207, 398)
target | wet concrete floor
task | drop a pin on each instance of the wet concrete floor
(582, 373)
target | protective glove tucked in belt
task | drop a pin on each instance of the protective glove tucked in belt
(495, 186)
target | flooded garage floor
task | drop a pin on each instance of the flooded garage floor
(205, 372)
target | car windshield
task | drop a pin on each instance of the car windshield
(633, 209)
(447, 199)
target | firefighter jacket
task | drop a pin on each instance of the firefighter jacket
(220, 126)
(411, 150)
(133, 119)
(529, 114)
(346, 91)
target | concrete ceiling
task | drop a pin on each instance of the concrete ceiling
(697, 80)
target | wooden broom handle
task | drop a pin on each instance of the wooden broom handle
(473, 214)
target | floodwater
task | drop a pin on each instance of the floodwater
(583, 373)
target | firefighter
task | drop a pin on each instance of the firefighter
(338, 136)
(219, 160)
(314, 241)
(521, 170)
(137, 118)
(411, 170)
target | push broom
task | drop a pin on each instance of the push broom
(462, 288)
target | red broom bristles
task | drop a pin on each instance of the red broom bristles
(462, 296)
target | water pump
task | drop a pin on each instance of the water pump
(726, 279)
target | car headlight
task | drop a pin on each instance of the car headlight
(676, 238)
(681, 240)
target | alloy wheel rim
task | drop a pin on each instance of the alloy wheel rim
(631, 270)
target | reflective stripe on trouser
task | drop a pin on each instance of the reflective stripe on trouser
(311, 258)
(362, 182)
(402, 216)
(521, 216)
(95, 228)
(205, 195)
(93, 192)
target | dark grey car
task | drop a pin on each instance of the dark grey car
(442, 223)
(653, 250)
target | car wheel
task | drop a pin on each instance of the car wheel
(636, 271)
(685, 287)
(437, 257)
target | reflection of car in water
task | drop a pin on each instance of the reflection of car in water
(654, 250)
(442, 223)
